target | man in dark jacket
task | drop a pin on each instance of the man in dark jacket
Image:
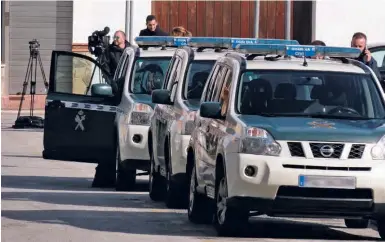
(359, 41)
(115, 51)
(152, 28)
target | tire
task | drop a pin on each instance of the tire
(155, 183)
(228, 221)
(174, 197)
(200, 207)
(105, 173)
(357, 223)
(125, 178)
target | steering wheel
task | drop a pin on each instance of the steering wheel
(341, 109)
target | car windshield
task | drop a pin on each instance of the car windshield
(309, 93)
(198, 72)
(148, 74)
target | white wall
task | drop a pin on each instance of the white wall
(337, 20)
(96, 14)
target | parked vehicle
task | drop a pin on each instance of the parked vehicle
(281, 134)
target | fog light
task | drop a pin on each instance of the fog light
(250, 171)
(137, 138)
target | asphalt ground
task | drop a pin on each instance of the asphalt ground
(49, 200)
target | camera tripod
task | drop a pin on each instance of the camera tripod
(30, 76)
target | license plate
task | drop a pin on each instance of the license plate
(344, 182)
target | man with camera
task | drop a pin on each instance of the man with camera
(115, 51)
(359, 41)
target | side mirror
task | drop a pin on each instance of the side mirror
(211, 110)
(161, 96)
(101, 90)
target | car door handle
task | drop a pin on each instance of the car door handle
(56, 104)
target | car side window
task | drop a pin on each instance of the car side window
(225, 93)
(210, 84)
(172, 85)
(218, 84)
(169, 72)
(379, 56)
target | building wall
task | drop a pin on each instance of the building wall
(222, 18)
(336, 21)
(90, 17)
(50, 22)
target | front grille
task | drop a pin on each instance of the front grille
(296, 149)
(290, 191)
(326, 168)
(356, 151)
(316, 149)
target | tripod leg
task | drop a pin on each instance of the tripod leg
(33, 89)
(42, 72)
(25, 84)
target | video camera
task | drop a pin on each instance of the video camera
(34, 47)
(98, 41)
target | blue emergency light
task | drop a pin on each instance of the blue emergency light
(227, 42)
(299, 50)
(165, 41)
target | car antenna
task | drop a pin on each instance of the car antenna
(304, 61)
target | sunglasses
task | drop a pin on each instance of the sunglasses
(116, 37)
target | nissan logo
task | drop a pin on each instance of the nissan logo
(326, 150)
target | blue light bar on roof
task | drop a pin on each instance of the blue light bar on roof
(300, 50)
(226, 42)
(166, 41)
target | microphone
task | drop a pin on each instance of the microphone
(106, 30)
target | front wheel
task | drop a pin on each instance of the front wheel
(155, 183)
(200, 206)
(228, 221)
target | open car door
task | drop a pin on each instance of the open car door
(80, 110)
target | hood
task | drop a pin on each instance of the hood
(314, 129)
(143, 98)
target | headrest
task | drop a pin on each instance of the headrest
(316, 92)
(332, 96)
(260, 88)
(200, 77)
(285, 91)
(152, 68)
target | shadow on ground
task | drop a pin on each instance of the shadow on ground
(57, 183)
(92, 198)
(171, 223)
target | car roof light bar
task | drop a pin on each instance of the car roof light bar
(299, 50)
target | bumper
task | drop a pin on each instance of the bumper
(179, 153)
(274, 188)
(137, 143)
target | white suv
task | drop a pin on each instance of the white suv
(140, 71)
(287, 136)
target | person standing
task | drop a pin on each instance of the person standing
(359, 40)
(152, 28)
(115, 51)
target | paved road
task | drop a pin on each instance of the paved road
(44, 200)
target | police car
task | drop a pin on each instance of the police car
(174, 114)
(108, 123)
(282, 134)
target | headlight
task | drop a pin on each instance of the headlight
(259, 142)
(378, 151)
(141, 114)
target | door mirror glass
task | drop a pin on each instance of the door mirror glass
(101, 90)
(211, 110)
(161, 96)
